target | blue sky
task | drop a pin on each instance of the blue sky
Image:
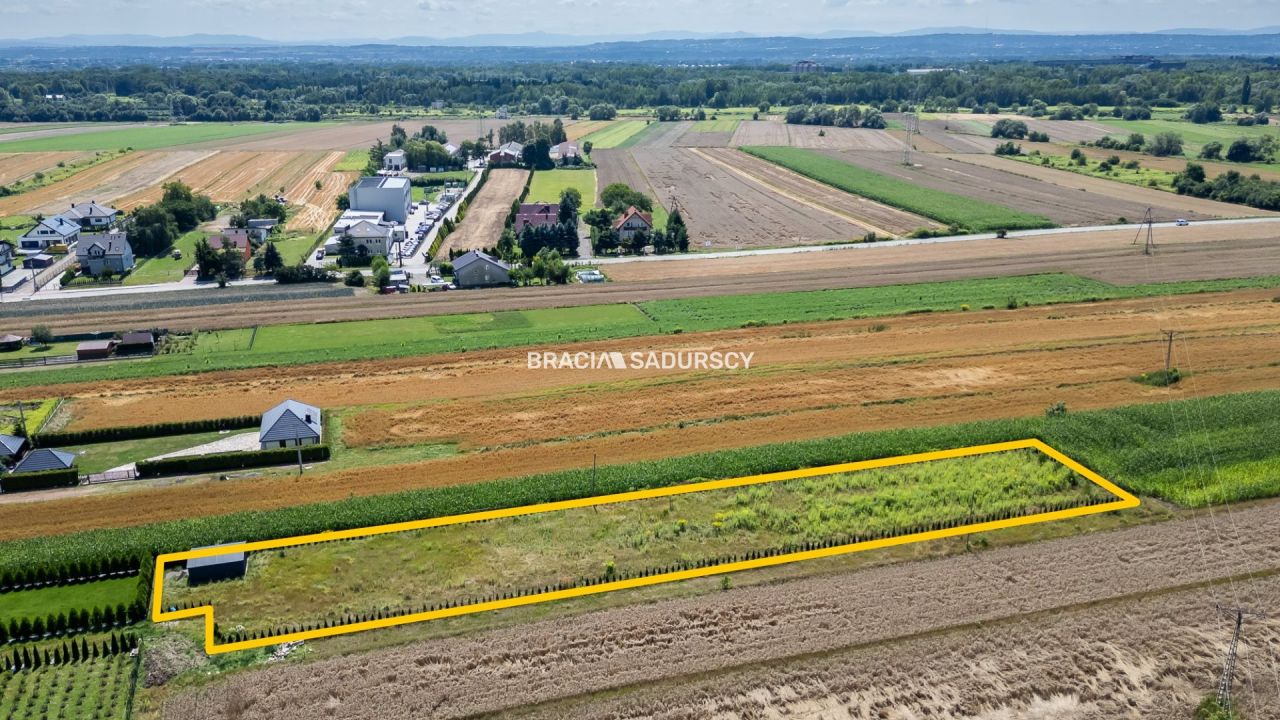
(365, 19)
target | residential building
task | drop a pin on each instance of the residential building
(370, 238)
(44, 459)
(508, 153)
(110, 253)
(351, 217)
(390, 196)
(239, 238)
(290, 424)
(805, 66)
(395, 161)
(476, 269)
(260, 228)
(536, 215)
(452, 149)
(92, 216)
(566, 153)
(11, 446)
(219, 567)
(6, 258)
(95, 349)
(55, 230)
(631, 222)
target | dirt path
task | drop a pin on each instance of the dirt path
(1114, 624)
(875, 217)
(810, 382)
(487, 213)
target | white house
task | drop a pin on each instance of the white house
(631, 222)
(508, 153)
(109, 253)
(395, 161)
(92, 216)
(390, 196)
(290, 424)
(370, 238)
(50, 231)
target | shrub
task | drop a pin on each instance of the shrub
(230, 461)
(134, 432)
(355, 278)
(40, 480)
(1057, 409)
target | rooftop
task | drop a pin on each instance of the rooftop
(394, 183)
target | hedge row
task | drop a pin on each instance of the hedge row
(74, 623)
(40, 480)
(230, 461)
(73, 573)
(25, 659)
(134, 432)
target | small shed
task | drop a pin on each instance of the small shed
(136, 343)
(38, 262)
(9, 343)
(230, 566)
(95, 349)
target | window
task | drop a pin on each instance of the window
(284, 443)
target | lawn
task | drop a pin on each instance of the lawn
(43, 602)
(354, 161)
(148, 137)
(401, 337)
(721, 125)
(614, 134)
(163, 268)
(13, 226)
(418, 194)
(293, 247)
(96, 690)
(1194, 136)
(465, 563)
(547, 185)
(100, 457)
(967, 213)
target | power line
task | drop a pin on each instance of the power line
(1229, 666)
(1149, 247)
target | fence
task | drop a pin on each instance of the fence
(64, 360)
(109, 476)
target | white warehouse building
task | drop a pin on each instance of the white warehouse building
(387, 195)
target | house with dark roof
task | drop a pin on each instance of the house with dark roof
(508, 153)
(476, 269)
(136, 343)
(229, 566)
(44, 459)
(95, 349)
(290, 424)
(53, 230)
(11, 446)
(110, 253)
(536, 215)
(6, 257)
(631, 222)
(92, 216)
(11, 342)
(260, 228)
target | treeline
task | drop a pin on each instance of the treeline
(1231, 186)
(310, 92)
(154, 228)
(29, 658)
(850, 116)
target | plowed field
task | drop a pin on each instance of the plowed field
(487, 213)
(771, 132)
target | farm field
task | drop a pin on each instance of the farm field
(1093, 602)
(727, 211)
(144, 137)
(1072, 132)
(50, 601)
(96, 690)
(613, 135)
(1194, 136)
(1166, 206)
(547, 185)
(224, 176)
(958, 367)
(464, 563)
(19, 166)
(354, 161)
(104, 183)
(879, 178)
(487, 212)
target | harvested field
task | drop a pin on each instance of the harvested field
(618, 166)
(873, 216)
(1165, 206)
(806, 382)
(761, 132)
(357, 135)
(1002, 183)
(224, 176)
(582, 128)
(314, 208)
(104, 183)
(704, 138)
(774, 132)
(1104, 625)
(1072, 132)
(728, 211)
(19, 166)
(487, 212)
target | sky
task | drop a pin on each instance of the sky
(301, 20)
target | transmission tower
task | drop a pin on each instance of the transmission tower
(1229, 667)
(909, 119)
(1148, 224)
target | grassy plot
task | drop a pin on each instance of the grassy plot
(43, 602)
(614, 134)
(463, 563)
(294, 247)
(13, 226)
(1141, 176)
(100, 457)
(353, 161)
(969, 213)
(1194, 136)
(720, 125)
(164, 268)
(547, 184)
(36, 414)
(96, 690)
(148, 137)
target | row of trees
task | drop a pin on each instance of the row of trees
(849, 116)
(1233, 187)
(28, 658)
(267, 91)
(154, 228)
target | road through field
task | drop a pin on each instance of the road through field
(1105, 625)
(807, 381)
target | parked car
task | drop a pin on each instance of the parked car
(1182, 223)
(320, 254)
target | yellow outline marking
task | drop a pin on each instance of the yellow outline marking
(1125, 500)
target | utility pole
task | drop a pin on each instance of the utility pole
(1168, 353)
(1149, 246)
(1229, 667)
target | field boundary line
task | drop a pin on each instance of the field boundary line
(1123, 500)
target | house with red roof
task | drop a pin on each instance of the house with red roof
(631, 222)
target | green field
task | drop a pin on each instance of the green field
(44, 602)
(547, 184)
(721, 125)
(466, 563)
(615, 134)
(325, 342)
(35, 413)
(294, 248)
(95, 690)
(100, 457)
(967, 213)
(354, 161)
(1194, 136)
(13, 226)
(163, 268)
(148, 137)
(1141, 176)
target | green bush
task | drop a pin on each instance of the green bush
(40, 480)
(135, 432)
(230, 461)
